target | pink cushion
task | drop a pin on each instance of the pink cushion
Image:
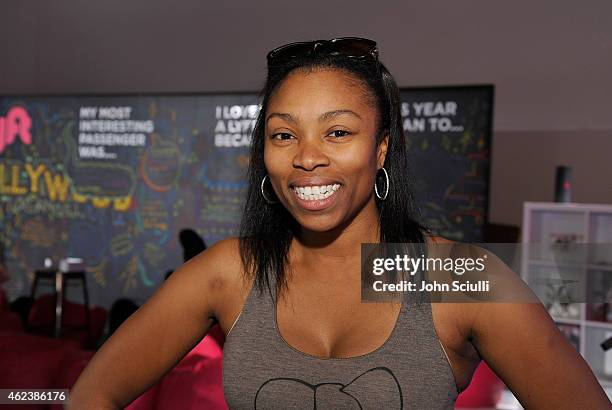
(146, 401)
(212, 344)
(485, 389)
(30, 361)
(194, 383)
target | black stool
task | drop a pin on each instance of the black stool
(61, 280)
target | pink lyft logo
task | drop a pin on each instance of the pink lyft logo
(16, 122)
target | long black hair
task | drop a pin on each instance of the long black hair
(267, 230)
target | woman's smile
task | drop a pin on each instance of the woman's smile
(314, 193)
(315, 197)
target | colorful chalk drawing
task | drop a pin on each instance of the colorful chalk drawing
(120, 213)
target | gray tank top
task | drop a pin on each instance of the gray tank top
(262, 371)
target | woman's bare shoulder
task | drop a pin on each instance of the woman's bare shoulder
(220, 266)
(224, 255)
(221, 272)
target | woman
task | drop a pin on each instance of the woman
(327, 173)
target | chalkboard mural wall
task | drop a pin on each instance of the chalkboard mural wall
(449, 140)
(113, 179)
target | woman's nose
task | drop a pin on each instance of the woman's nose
(309, 155)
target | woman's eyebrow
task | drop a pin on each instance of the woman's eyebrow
(282, 115)
(331, 114)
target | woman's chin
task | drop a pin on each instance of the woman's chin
(319, 224)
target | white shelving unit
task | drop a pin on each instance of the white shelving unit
(555, 225)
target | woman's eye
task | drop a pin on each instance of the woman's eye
(282, 136)
(339, 133)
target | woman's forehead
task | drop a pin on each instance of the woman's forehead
(322, 90)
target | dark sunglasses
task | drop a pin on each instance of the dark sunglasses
(354, 47)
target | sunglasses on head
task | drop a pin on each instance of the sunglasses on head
(353, 47)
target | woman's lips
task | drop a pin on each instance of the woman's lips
(315, 204)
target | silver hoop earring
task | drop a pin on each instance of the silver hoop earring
(382, 198)
(263, 193)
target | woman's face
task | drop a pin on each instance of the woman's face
(320, 147)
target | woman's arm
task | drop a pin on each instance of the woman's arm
(157, 336)
(522, 344)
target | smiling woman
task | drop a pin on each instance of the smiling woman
(329, 151)
(328, 171)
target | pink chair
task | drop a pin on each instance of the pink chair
(195, 382)
(485, 389)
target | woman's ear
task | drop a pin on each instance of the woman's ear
(382, 149)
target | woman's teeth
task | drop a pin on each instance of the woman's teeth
(318, 192)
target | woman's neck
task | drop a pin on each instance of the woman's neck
(341, 243)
